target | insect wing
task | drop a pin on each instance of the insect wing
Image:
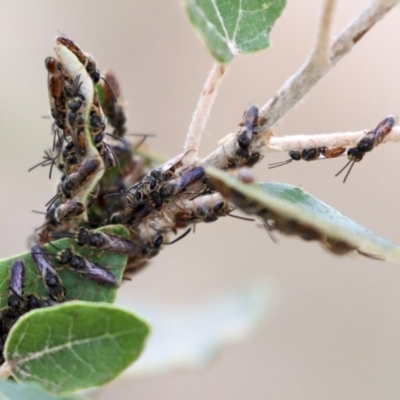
(98, 274)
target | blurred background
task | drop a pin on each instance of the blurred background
(334, 332)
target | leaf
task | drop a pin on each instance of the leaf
(191, 336)
(74, 346)
(77, 286)
(230, 27)
(292, 211)
(26, 391)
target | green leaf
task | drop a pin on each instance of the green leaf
(77, 286)
(292, 211)
(74, 346)
(26, 391)
(230, 27)
(191, 336)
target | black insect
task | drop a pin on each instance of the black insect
(103, 241)
(152, 247)
(15, 300)
(86, 60)
(74, 181)
(56, 82)
(141, 191)
(250, 122)
(75, 99)
(311, 154)
(114, 110)
(175, 186)
(85, 267)
(372, 139)
(19, 304)
(49, 275)
(65, 211)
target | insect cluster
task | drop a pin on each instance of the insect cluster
(107, 181)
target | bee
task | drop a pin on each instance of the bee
(85, 59)
(106, 151)
(73, 182)
(56, 82)
(175, 186)
(49, 275)
(250, 122)
(151, 247)
(68, 210)
(15, 290)
(86, 268)
(113, 108)
(310, 154)
(102, 241)
(17, 303)
(203, 213)
(372, 139)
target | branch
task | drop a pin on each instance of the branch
(320, 55)
(299, 84)
(5, 370)
(329, 140)
(202, 112)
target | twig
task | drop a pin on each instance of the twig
(299, 84)
(5, 370)
(321, 53)
(202, 112)
(330, 140)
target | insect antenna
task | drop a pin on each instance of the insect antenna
(52, 201)
(352, 162)
(116, 137)
(239, 217)
(279, 163)
(180, 237)
(39, 212)
(267, 226)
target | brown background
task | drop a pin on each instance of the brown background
(335, 330)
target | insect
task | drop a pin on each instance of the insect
(103, 241)
(114, 110)
(310, 154)
(17, 303)
(49, 275)
(250, 122)
(151, 248)
(203, 213)
(86, 60)
(72, 182)
(15, 290)
(86, 268)
(372, 139)
(56, 81)
(146, 191)
(70, 209)
(171, 188)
